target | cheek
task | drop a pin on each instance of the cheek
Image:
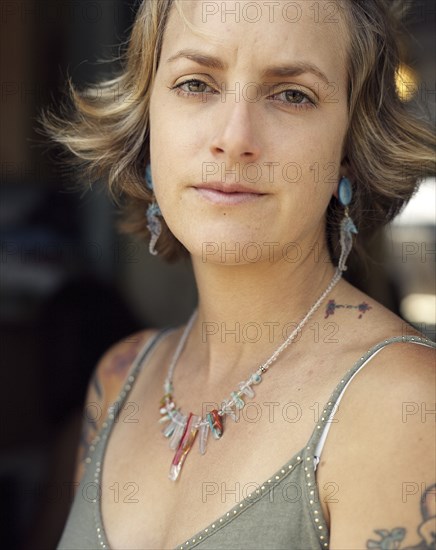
(168, 159)
(312, 178)
(323, 162)
(173, 149)
(163, 145)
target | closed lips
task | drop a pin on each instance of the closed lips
(228, 195)
(228, 189)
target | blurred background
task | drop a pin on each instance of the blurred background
(70, 286)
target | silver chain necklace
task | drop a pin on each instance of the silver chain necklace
(182, 429)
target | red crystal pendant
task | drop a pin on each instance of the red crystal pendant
(184, 447)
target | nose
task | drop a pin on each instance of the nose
(235, 138)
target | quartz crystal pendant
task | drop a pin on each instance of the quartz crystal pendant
(238, 401)
(164, 418)
(227, 409)
(178, 431)
(215, 423)
(246, 390)
(185, 446)
(169, 430)
(203, 434)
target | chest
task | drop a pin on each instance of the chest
(142, 507)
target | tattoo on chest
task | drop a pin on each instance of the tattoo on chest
(332, 306)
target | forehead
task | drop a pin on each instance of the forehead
(257, 33)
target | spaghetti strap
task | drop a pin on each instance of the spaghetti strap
(339, 391)
(146, 349)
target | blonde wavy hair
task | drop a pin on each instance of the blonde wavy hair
(105, 127)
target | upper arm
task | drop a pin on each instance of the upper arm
(103, 388)
(384, 443)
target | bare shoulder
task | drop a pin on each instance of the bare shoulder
(411, 360)
(362, 320)
(400, 373)
(380, 451)
(113, 367)
(398, 379)
(104, 386)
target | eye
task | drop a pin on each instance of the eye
(192, 87)
(296, 98)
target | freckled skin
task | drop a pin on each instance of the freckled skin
(187, 132)
(226, 130)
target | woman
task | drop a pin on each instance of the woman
(258, 138)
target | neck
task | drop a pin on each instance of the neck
(246, 311)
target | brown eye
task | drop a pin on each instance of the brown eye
(196, 86)
(193, 87)
(294, 99)
(294, 96)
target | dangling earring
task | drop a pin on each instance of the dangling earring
(345, 194)
(153, 211)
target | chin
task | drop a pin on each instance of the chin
(226, 249)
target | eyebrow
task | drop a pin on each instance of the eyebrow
(200, 58)
(295, 69)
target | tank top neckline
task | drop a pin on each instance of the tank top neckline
(306, 454)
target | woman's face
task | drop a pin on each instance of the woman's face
(250, 150)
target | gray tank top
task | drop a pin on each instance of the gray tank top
(284, 512)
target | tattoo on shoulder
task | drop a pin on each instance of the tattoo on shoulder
(332, 306)
(122, 361)
(115, 369)
(91, 415)
(391, 540)
(95, 383)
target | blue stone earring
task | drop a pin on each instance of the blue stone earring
(345, 194)
(153, 211)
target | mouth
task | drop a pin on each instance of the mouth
(219, 193)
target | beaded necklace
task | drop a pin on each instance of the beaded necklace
(182, 429)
